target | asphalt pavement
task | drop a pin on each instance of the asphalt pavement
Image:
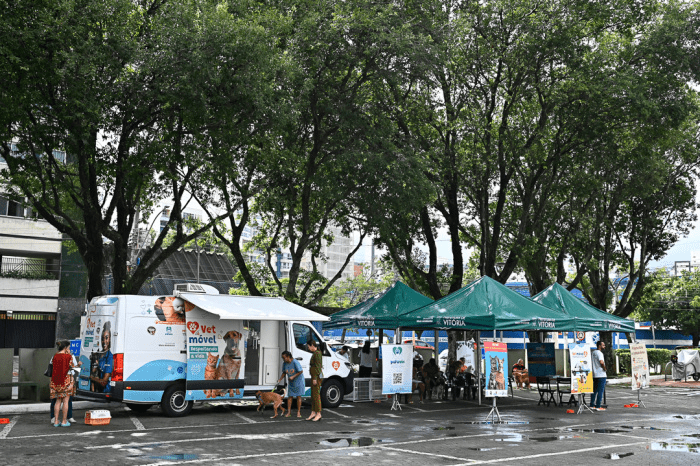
(436, 432)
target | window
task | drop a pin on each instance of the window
(10, 208)
(302, 333)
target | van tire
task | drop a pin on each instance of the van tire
(174, 403)
(138, 408)
(331, 394)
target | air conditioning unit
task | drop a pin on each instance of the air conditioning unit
(194, 288)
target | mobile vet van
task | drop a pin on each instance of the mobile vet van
(196, 346)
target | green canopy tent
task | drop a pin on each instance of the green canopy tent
(586, 317)
(381, 311)
(485, 304)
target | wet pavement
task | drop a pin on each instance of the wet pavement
(437, 432)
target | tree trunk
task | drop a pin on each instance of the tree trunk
(608, 353)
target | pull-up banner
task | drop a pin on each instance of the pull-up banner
(496, 361)
(640, 366)
(581, 376)
(397, 367)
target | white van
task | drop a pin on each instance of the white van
(197, 345)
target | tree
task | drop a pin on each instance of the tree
(93, 98)
(330, 156)
(673, 302)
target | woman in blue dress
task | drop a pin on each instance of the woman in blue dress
(296, 387)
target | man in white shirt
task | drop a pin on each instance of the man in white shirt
(600, 377)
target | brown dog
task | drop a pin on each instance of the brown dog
(266, 398)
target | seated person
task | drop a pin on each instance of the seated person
(430, 373)
(521, 375)
(417, 384)
(344, 352)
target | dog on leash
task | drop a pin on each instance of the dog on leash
(265, 398)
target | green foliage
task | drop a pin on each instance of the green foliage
(347, 293)
(657, 357)
(673, 302)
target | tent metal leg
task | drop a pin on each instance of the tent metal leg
(493, 414)
(477, 361)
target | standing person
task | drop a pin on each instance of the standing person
(295, 388)
(366, 361)
(600, 377)
(75, 372)
(430, 373)
(61, 382)
(316, 370)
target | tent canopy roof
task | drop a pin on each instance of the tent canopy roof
(587, 318)
(380, 311)
(251, 307)
(486, 304)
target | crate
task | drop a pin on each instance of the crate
(98, 417)
(361, 390)
(376, 390)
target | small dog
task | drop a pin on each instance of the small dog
(266, 398)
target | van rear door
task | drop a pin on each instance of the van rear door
(98, 347)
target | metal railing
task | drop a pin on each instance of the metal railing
(24, 267)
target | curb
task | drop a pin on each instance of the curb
(28, 408)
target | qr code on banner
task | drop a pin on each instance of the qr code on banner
(398, 379)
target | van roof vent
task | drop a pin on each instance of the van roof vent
(194, 288)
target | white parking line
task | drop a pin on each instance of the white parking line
(542, 455)
(279, 436)
(337, 414)
(246, 419)
(384, 447)
(137, 423)
(8, 427)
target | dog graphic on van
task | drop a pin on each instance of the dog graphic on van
(228, 368)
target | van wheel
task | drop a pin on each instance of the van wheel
(331, 394)
(138, 408)
(696, 376)
(174, 403)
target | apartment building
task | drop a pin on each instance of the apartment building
(30, 260)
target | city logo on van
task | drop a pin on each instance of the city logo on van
(336, 365)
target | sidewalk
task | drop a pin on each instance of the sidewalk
(24, 408)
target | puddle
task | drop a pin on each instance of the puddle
(352, 442)
(617, 456)
(598, 431)
(176, 457)
(511, 438)
(675, 445)
(443, 428)
(482, 449)
(643, 428)
(691, 435)
(686, 416)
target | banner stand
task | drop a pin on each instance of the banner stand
(582, 404)
(639, 399)
(395, 405)
(494, 412)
